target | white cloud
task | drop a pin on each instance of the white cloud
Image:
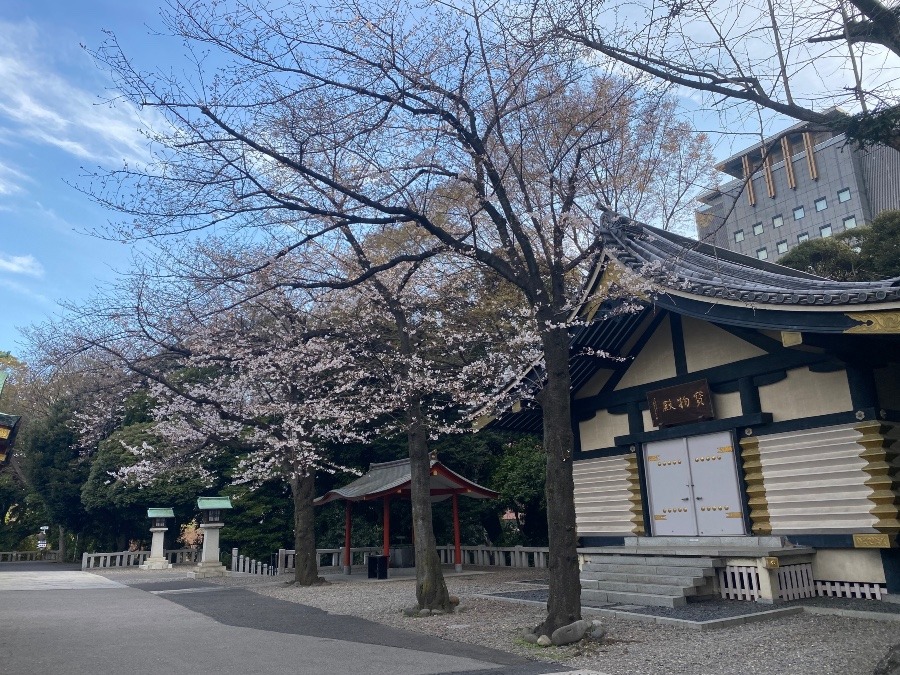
(43, 106)
(21, 264)
(11, 180)
(21, 289)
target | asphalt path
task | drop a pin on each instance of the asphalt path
(55, 619)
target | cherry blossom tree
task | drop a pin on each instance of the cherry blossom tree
(363, 117)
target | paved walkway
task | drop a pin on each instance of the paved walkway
(62, 621)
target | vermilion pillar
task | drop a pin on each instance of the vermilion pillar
(457, 548)
(387, 525)
(348, 525)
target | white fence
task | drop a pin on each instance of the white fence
(477, 556)
(326, 558)
(22, 556)
(135, 558)
(738, 582)
(497, 556)
(246, 565)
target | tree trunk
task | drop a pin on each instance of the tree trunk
(564, 604)
(306, 570)
(431, 589)
(61, 551)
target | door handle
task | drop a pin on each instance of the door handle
(686, 499)
(698, 497)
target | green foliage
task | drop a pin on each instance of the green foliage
(862, 254)
(118, 509)
(830, 258)
(262, 520)
(21, 513)
(54, 467)
(879, 245)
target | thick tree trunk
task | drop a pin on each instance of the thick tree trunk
(306, 571)
(431, 589)
(564, 604)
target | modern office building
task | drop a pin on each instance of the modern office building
(798, 185)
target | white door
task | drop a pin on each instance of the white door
(693, 486)
(669, 480)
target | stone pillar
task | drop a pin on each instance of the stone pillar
(209, 565)
(767, 569)
(157, 559)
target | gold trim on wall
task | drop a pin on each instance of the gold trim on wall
(634, 486)
(871, 541)
(748, 178)
(884, 475)
(875, 322)
(756, 490)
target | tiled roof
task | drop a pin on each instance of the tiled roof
(686, 267)
(387, 477)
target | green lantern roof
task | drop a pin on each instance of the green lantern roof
(160, 513)
(214, 502)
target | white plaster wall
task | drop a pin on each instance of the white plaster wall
(860, 565)
(648, 421)
(815, 483)
(599, 431)
(727, 405)
(656, 361)
(806, 394)
(707, 346)
(593, 386)
(602, 496)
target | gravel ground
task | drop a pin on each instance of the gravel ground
(802, 644)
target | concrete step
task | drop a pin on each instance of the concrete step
(650, 589)
(651, 561)
(589, 580)
(769, 541)
(646, 599)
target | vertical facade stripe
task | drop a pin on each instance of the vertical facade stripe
(883, 468)
(756, 489)
(788, 153)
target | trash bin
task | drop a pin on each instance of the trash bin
(378, 566)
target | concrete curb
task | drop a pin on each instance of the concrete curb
(712, 624)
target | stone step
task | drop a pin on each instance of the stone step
(651, 561)
(646, 599)
(591, 579)
(650, 589)
(768, 541)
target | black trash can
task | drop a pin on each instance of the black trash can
(378, 567)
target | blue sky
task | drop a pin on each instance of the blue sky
(52, 122)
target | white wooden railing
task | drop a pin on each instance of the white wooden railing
(135, 558)
(478, 556)
(326, 558)
(21, 556)
(497, 556)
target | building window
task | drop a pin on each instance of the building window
(821, 204)
(844, 195)
(739, 236)
(777, 221)
(757, 228)
(799, 212)
(825, 231)
(802, 237)
(762, 253)
(849, 222)
(782, 246)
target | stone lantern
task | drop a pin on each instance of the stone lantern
(211, 515)
(158, 526)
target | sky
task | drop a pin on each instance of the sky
(54, 124)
